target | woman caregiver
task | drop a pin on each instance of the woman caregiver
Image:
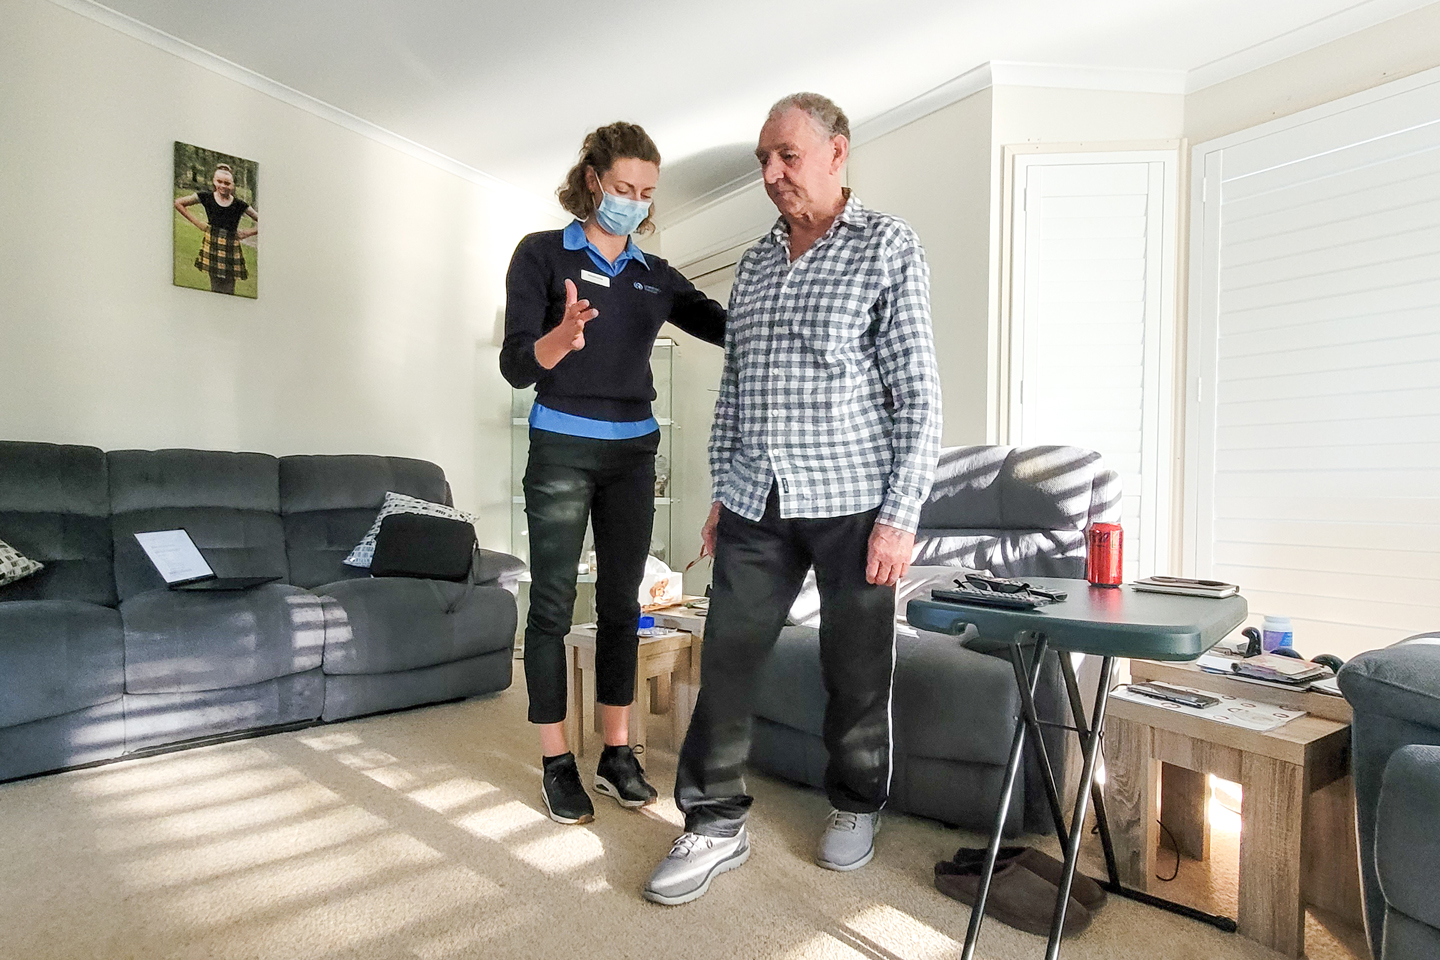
(583, 308)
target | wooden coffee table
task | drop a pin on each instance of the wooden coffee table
(1297, 818)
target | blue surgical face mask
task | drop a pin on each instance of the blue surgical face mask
(619, 215)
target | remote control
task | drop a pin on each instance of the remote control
(1187, 698)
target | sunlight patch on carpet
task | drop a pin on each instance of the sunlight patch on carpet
(561, 853)
(903, 934)
(451, 794)
(497, 823)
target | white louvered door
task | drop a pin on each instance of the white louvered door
(1093, 313)
(1314, 458)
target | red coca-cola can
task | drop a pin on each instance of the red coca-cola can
(1105, 556)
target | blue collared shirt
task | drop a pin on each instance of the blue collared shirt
(575, 239)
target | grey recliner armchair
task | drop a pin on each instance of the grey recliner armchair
(1395, 758)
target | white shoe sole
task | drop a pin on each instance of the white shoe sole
(842, 867)
(559, 819)
(604, 786)
(719, 868)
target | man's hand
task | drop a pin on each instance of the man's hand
(889, 555)
(707, 532)
(569, 335)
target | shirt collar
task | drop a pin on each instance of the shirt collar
(575, 239)
(851, 215)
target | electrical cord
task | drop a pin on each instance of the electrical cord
(1176, 844)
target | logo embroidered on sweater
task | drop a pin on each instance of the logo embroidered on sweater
(646, 287)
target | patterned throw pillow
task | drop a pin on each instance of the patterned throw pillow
(399, 503)
(14, 565)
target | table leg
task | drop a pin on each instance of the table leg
(640, 709)
(660, 698)
(1331, 869)
(1091, 751)
(1132, 800)
(679, 709)
(1183, 798)
(992, 851)
(1271, 826)
(588, 719)
(574, 700)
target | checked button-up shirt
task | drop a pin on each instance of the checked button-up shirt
(830, 389)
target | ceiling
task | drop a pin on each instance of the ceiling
(511, 88)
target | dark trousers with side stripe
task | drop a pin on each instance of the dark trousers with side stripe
(759, 568)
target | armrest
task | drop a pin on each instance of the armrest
(1407, 837)
(1400, 681)
(494, 567)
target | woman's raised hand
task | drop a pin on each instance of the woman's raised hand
(577, 314)
(569, 334)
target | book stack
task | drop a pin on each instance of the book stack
(1185, 587)
(1286, 670)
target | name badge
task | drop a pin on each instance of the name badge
(599, 278)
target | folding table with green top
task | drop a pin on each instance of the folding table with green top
(1106, 622)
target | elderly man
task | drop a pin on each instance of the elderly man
(823, 449)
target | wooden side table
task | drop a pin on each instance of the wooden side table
(692, 621)
(1297, 826)
(667, 659)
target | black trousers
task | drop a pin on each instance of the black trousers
(610, 484)
(759, 568)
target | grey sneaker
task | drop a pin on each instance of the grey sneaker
(848, 842)
(694, 861)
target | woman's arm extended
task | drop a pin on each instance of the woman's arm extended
(696, 313)
(253, 214)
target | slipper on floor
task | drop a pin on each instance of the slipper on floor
(1089, 892)
(1018, 898)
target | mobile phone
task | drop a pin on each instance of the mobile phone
(1163, 691)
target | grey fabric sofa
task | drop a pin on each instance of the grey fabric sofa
(1014, 511)
(1395, 759)
(98, 659)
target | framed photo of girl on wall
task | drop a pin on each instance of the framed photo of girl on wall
(216, 223)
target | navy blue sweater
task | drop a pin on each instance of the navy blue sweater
(609, 379)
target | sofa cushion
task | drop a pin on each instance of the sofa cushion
(1005, 553)
(1011, 488)
(181, 642)
(157, 479)
(56, 657)
(229, 503)
(55, 508)
(330, 502)
(400, 623)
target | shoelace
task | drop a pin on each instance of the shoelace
(684, 845)
(844, 820)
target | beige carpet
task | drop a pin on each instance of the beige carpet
(421, 835)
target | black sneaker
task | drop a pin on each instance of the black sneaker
(565, 799)
(620, 775)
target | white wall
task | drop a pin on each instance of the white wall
(381, 276)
